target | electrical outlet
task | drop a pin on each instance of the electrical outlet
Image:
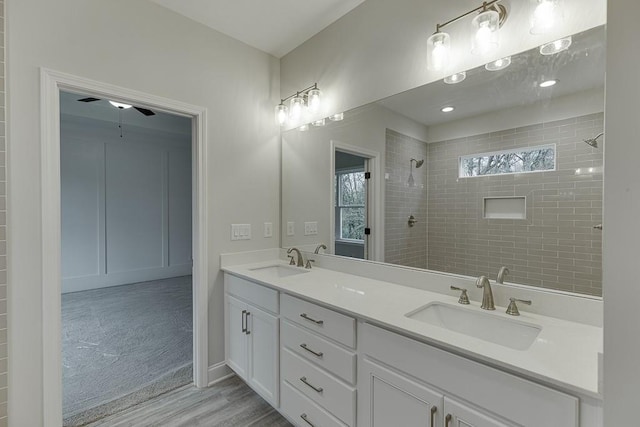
(311, 228)
(268, 229)
(291, 228)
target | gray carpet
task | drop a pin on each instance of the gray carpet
(123, 345)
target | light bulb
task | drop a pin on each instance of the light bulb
(336, 117)
(547, 15)
(120, 105)
(447, 109)
(438, 46)
(499, 64)
(320, 122)
(548, 83)
(304, 128)
(485, 39)
(295, 109)
(281, 114)
(313, 100)
(455, 78)
(556, 46)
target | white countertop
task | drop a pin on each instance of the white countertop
(564, 354)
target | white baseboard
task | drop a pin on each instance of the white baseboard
(218, 372)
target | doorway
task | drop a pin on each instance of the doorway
(52, 84)
(127, 322)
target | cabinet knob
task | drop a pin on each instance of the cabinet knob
(447, 420)
(434, 409)
(244, 322)
(305, 418)
(308, 384)
(317, 322)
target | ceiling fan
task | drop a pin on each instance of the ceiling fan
(120, 106)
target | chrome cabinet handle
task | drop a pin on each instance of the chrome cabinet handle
(316, 389)
(244, 324)
(315, 353)
(434, 409)
(247, 317)
(317, 322)
(305, 418)
(447, 420)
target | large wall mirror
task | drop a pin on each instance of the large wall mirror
(503, 168)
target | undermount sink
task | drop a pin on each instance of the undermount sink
(510, 333)
(278, 271)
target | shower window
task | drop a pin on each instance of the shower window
(350, 205)
(520, 160)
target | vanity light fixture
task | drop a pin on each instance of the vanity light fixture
(120, 105)
(307, 99)
(499, 64)
(556, 46)
(336, 117)
(549, 83)
(447, 109)
(547, 16)
(487, 24)
(455, 78)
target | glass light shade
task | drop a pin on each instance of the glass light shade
(455, 78)
(499, 64)
(281, 114)
(556, 46)
(438, 48)
(447, 109)
(320, 122)
(336, 117)
(547, 16)
(486, 36)
(120, 105)
(313, 100)
(304, 128)
(295, 108)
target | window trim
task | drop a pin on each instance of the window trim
(339, 207)
(509, 151)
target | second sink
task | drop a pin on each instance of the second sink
(510, 333)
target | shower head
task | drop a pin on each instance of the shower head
(418, 162)
(593, 141)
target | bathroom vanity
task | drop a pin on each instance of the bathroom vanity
(330, 348)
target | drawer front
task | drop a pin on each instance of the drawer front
(315, 349)
(326, 322)
(258, 295)
(303, 411)
(334, 396)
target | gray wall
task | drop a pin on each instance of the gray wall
(126, 204)
(403, 244)
(556, 246)
(3, 234)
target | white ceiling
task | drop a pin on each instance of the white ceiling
(275, 26)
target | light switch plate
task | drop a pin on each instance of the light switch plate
(291, 228)
(240, 231)
(311, 228)
(268, 229)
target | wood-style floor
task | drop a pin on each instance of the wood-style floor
(228, 403)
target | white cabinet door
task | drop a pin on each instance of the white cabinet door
(460, 415)
(389, 399)
(263, 335)
(236, 338)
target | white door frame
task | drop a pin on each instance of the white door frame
(375, 201)
(51, 82)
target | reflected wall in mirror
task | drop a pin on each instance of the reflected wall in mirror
(509, 175)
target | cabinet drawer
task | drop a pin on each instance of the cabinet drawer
(326, 322)
(258, 295)
(327, 391)
(312, 347)
(303, 411)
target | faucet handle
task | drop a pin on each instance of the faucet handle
(464, 298)
(308, 265)
(292, 261)
(513, 308)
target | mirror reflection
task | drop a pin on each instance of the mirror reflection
(502, 168)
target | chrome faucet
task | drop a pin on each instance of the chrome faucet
(502, 274)
(300, 262)
(320, 246)
(487, 294)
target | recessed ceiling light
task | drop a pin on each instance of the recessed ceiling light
(455, 78)
(555, 46)
(120, 105)
(498, 65)
(447, 109)
(548, 83)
